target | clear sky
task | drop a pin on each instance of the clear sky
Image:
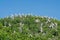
(49, 8)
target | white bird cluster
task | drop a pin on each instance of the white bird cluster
(21, 24)
(37, 20)
(30, 35)
(48, 21)
(52, 25)
(45, 16)
(55, 24)
(9, 24)
(41, 24)
(14, 31)
(41, 29)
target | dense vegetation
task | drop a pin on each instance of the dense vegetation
(28, 27)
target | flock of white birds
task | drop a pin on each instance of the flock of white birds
(52, 25)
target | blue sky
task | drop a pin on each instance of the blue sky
(49, 8)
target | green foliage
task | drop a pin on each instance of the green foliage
(25, 28)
